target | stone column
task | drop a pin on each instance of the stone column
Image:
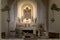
(46, 34)
(38, 33)
(34, 30)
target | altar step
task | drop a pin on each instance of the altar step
(30, 39)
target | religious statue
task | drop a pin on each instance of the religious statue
(27, 16)
(27, 13)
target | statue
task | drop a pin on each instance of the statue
(27, 17)
(27, 13)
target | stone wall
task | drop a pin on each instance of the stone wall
(54, 27)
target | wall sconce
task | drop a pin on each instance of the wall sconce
(6, 8)
(54, 8)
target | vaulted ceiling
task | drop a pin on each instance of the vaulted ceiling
(11, 1)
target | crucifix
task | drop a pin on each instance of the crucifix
(27, 13)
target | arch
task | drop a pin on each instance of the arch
(29, 6)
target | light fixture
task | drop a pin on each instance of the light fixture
(54, 7)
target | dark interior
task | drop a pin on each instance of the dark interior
(53, 35)
(28, 31)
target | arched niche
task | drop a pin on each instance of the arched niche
(31, 6)
(27, 12)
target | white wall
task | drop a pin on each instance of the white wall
(54, 27)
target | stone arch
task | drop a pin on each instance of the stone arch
(30, 7)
